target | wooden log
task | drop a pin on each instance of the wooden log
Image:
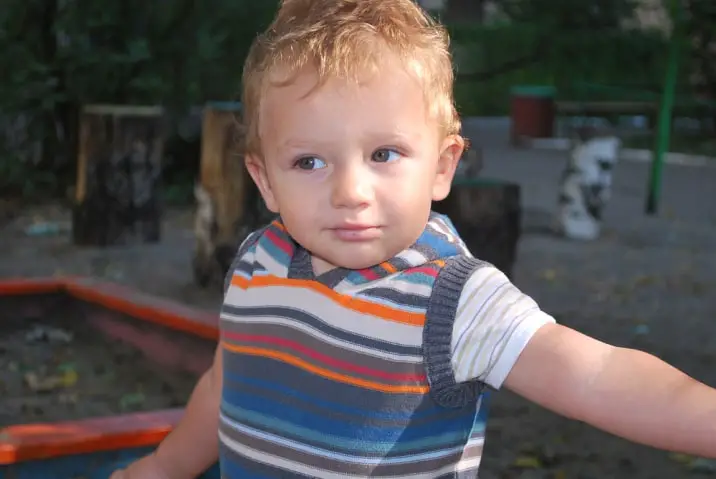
(487, 214)
(117, 198)
(229, 205)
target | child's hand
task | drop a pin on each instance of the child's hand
(146, 468)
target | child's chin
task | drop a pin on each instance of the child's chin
(354, 258)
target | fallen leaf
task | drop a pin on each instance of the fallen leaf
(549, 275)
(69, 378)
(681, 458)
(131, 400)
(644, 280)
(39, 383)
(527, 462)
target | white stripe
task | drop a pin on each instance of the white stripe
(393, 282)
(412, 257)
(269, 263)
(297, 467)
(442, 228)
(495, 321)
(517, 343)
(328, 311)
(321, 336)
(332, 455)
(491, 329)
(346, 287)
(476, 291)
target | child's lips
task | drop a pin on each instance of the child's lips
(356, 232)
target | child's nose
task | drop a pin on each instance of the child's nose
(352, 188)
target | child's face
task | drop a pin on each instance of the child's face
(352, 169)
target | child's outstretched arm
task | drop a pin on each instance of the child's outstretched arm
(625, 392)
(192, 447)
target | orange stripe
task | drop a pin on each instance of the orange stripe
(326, 373)
(389, 267)
(439, 262)
(278, 225)
(356, 304)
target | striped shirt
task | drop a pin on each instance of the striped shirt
(376, 372)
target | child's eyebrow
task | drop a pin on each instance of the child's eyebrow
(302, 144)
(397, 136)
(375, 138)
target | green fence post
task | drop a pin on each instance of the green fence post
(665, 111)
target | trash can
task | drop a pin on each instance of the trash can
(532, 112)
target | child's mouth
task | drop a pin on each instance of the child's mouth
(354, 232)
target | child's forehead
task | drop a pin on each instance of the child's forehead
(307, 86)
(342, 110)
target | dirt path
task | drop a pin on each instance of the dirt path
(647, 283)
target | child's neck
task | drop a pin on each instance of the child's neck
(321, 266)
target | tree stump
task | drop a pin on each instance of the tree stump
(487, 214)
(117, 199)
(229, 205)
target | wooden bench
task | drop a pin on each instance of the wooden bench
(596, 108)
(701, 110)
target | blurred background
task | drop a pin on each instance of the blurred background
(591, 182)
(58, 55)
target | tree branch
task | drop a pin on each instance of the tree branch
(514, 64)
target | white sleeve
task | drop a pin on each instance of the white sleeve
(493, 324)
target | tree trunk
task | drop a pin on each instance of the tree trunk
(487, 214)
(117, 198)
(222, 171)
(229, 205)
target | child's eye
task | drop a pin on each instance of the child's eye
(309, 163)
(385, 155)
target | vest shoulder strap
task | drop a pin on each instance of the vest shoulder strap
(438, 331)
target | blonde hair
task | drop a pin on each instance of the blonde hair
(339, 38)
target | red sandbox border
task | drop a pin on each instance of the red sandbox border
(26, 442)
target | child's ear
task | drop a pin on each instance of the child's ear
(257, 170)
(450, 153)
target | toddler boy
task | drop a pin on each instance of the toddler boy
(357, 331)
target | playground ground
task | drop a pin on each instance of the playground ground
(647, 283)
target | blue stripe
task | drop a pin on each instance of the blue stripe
(439, 244)
(416, 277)
(274, 415)
(279, 255)
(244, 274)
(369, 404)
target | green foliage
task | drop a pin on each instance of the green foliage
(177, 53)
(566, 60)
(569, 15)
(698, 33)
(57, 55)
